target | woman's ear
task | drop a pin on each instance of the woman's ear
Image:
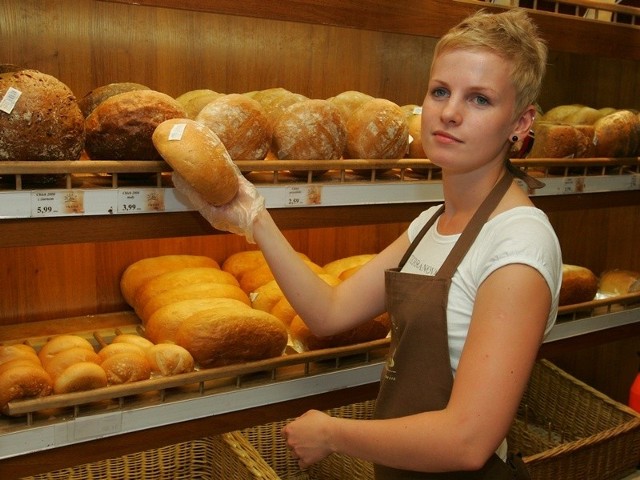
(524, 123)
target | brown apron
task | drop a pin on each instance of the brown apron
(417, 376)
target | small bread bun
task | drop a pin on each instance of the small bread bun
(198, 155)
(163, 325)
(60, 343)
(303, 339)
(579, 284)
(18, 351)
(26, 380)
(619, 282)
(126, 368)
(79, 377)
(63, 360)
(133, 339)
(117, 348)
(141, 271)
(169, 359)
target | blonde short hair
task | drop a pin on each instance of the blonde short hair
(511, 35)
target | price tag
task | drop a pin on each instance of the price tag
(9, 100)
(569, 185)
(141, 200)
(57, 203)
(304, 195)
(634, 184)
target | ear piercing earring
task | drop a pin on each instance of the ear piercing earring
(514, 139)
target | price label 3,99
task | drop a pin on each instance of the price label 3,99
(141, 200)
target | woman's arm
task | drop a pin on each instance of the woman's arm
(326, 309)
(507, 326)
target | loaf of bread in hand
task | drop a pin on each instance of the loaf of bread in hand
(199, 156)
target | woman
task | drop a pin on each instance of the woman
(471, 287)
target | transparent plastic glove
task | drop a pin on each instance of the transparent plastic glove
(237, 216)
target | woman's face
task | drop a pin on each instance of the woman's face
(468, 112)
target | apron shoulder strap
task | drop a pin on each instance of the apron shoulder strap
(419, 237)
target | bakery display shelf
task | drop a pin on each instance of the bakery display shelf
(84, 188)
(66, 419)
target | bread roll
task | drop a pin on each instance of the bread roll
(80, 377)
(141, 271)
(196, 290)
(241, 125)
(303, 339)
(18, 351)
(198, 155)
(162, 325)
(126, 368)
(336, 267)
(25, 380)
(194, 101)
(224, 336)
(179, 278)
(376, 130)
(121, 127)
(44, 123)
(238, 263)
(133, 339)
(619, 282)
(63, 360)
(117, 348)
(169, 359)
(60, 343)
(579, 284)
(309, 130)
(99, 94)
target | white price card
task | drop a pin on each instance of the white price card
(141, 200)
(303, 195)
(56, 203)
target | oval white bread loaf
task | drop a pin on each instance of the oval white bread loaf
(79, 377)
(169, 359)
(238, 263)
(141, 271)
(252, 279)
(224, 336)
(619, 282)
(579, 284)
(266, 296)
(336, 267)
(198, 155)
(163, 324)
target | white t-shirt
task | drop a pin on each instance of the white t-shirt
(520, 235)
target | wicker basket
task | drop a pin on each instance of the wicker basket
(567, 430)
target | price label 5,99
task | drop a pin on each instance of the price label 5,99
(57, 203)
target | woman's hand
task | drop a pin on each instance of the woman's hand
(308, 437)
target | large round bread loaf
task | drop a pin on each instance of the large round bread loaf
(579, 284)
(241, 125)
(143, 270)
(619, 282)
(43, 123)
(276, 100)
(99, 94)
(224, 336)
(617, 134)
(199, 156)
(120, 127)
(349, 101)
(194, 101)
(163, 324)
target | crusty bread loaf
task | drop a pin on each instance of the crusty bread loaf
(560, 112)
(121, 127)
(22, 379)
(276, 100)
(224, 336)
(303, 339)
(349, 101)
(191, 291)
(126, 368)
(617, 134)
(161, 327)
(199, 156)
(99, 94)
(619, 282)
(309, 130)
(80, 377)
(44, 123)
(179, 278)
(169, 359)
(141, 271)
(376, 130)
(554, 140)
(579, 284)
(194, 101)
(240, 123)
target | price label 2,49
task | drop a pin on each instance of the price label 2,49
(141, 200)
(56, 203)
